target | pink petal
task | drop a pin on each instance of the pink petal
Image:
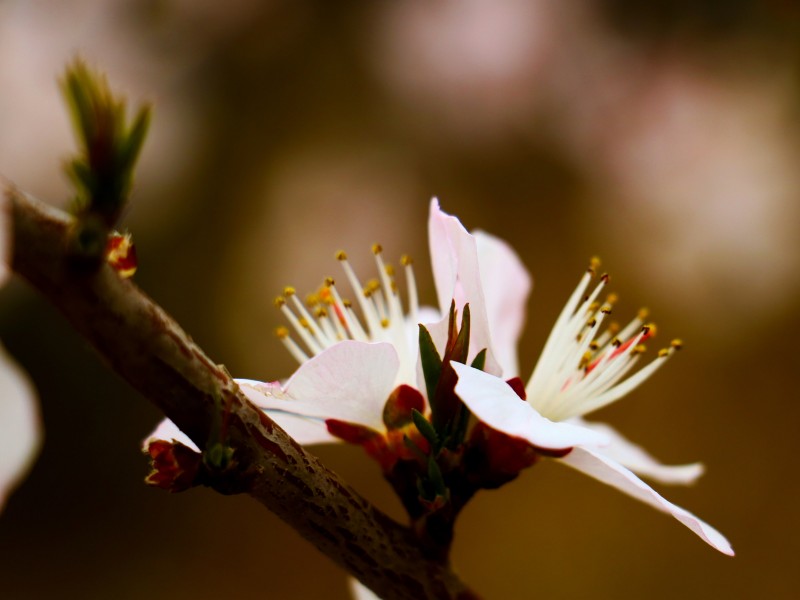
(506, 287)
(456, 272)
(614, 474)
(350, 381)
(20, 426)
(304, 430)
(638, 460)
(494, 403)
(358, 591)
(167, 430)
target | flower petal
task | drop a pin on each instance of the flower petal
(304, 430)
(169, 432)
(350, 381)
(506, 287)
(358, 591)
(456, 272)
(638, 460)
(20, 427)
(614, 474)
(494, 403)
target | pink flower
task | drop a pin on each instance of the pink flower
(20, 427)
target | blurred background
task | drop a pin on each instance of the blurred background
(662, 136)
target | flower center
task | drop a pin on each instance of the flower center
(582, 369)
(327, 318)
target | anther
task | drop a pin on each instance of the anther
(664, 352)
(612, 298)
(288, 291)
(677, 344)
(377, 248)
(384, 323)
(642, 314)
(341, 255)
(280, 301)
(329, 282)
(304, 323)
(406, 260)
(312, 300)
(282, 332)
(389, 270)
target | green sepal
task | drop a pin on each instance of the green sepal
(431, 363)
(415, 450)
(479, 362)
(436, 478)
(425, 428)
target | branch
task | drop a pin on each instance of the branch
(154, 355)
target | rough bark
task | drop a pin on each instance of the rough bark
(149, 350)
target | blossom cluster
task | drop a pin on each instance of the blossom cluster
(413, 388)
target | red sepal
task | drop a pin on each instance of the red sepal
(518, 386)
(175, 466)
(403, 400)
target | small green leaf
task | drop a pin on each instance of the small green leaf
(425, 428)
(461, 346)
(415, 450)
(479, 361)
(431, 363)
(435, 478)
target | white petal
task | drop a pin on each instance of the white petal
(614, 474)
(304, 430)
(506, 286)
(20, 427)
(456, 272)
(358, 591)
(638, 460)
(168, 431)
(494, 403)
(349, 381)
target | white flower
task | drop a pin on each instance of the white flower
(20, 427)
(581, 370)
(349, 364)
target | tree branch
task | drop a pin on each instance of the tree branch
(150, 351)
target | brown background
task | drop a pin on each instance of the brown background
(663, 139)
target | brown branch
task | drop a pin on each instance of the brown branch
(149, 350)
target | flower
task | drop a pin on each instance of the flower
(20, 427)
(349, 366)
(581, 370)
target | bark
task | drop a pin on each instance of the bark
(153, 354)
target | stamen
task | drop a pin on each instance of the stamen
(291, 345)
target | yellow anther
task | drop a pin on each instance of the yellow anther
(650, 329)
(377, 248)
(329, 282)
(304, 323)
(280, 301)
(613, 328)
(594, 263)
(406, 260)
(676, 343)
(643, 314)
(594, 345)
(321, 312)
(638, 349)
(585, 360)
(594, 306)
(389, 270)
(373, 285)
(341, 255)
(592, 322)
(312, 300)
(347, 303)
(384, 323)
(393, 285)
(664, 352)
(612, 298)
(606, 309)
(616, 342)
(288, 291)
(282, 332)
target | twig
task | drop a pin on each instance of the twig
(150, 351)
